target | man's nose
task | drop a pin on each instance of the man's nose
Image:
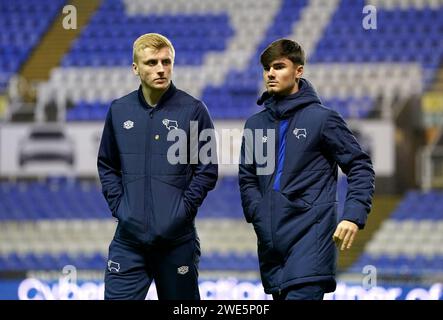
(160, 68)
(271, 74)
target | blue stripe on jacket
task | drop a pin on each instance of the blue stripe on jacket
(281, 153)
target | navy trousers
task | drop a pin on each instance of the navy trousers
(131, 270)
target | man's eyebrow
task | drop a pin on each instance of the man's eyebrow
(279, 63)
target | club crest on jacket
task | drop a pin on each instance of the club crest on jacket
(299, 133)
(170, 124)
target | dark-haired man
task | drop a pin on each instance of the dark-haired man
(293, 209)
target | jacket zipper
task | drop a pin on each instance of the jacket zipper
(275, 170)
(148, 171)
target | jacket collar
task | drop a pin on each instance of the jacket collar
(284, 107)
(168, 94)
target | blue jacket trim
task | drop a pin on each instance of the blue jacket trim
(281, 153)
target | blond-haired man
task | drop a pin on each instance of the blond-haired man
(154, 200)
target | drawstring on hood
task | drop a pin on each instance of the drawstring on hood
(284, 107)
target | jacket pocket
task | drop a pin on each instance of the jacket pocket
(115, 212)
(171, 218)
(129, 212)
(292, 206)
(293, 222)
(261, 221)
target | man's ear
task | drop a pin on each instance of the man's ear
(135, 68)
(299, 71)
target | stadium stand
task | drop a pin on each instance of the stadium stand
(23, 24)
(49, 222)
(66, 218)
(336, 62)
(409, 242)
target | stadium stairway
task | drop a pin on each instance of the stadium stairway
(437, 86)
(382, 207)
(432, 106)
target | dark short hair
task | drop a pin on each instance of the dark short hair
(283, 48)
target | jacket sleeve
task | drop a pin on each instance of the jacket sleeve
(248, 180)
(204, 175)
(355, 164)
(108, 164)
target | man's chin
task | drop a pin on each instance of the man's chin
(161, 86)
(272, 91)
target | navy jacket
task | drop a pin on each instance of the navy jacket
(293, 209)
(154, 201)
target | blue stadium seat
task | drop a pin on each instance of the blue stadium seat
(393, 40)
(23, 24)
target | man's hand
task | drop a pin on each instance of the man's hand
(344, 234)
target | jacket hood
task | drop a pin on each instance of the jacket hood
(283, 107)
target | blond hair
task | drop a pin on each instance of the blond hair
(151, 40)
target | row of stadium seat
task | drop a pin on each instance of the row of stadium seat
(420, 206)
(56, 236)
(97, 261)
(401, 265)
(71, 200)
